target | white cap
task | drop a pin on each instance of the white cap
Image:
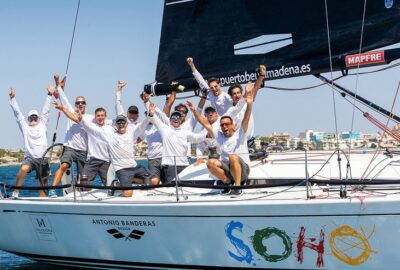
(33, 112)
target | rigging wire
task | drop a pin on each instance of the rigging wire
(331, 66)
(342, 190)
(385, 130)
(357, 77)
(73, 35)
(68, 61)
(66, 74)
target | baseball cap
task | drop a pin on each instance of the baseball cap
(133, 109)
(176, 113)
(120, 117)
(210, 108)
(33, 112)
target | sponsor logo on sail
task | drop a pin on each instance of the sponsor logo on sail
(263, 44)
(363, 59)
(283, 71)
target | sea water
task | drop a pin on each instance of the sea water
(11, 261)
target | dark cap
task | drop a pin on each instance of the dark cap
(121, 117)
(133, 108)
(176, 113)
(210, 108)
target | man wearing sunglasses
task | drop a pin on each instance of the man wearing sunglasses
(133, 111)
(120, 143)
(233, 167)
(75, 141)
(175, 140)
(34, 132)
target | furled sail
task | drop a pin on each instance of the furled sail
(229, 39)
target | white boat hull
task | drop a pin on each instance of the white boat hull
(334, 233)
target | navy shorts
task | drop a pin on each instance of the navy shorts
(126, 176)
(71, 155)
(155, 168)
(169, 172)
(96, 166)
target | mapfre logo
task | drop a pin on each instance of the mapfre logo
(365, 58)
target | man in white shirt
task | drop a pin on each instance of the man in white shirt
(154, 140)
(98, 159)
(218, 98)
(75, 142)
(235, 91)
(34, 132)
(234, 164)
(120, 143)
(176, 141)
(212, 117)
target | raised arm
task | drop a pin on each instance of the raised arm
(139, 129)
(161, 114)
(118, 102)
(201, 119)
(67, 112)
(45, 115)
(249, 96)
(196, 74)
(168, 104)
(15, 107)
(161, 127)
(260, 80)
(63, 98)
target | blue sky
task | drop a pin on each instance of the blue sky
(118, 40)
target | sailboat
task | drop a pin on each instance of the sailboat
(303, 210)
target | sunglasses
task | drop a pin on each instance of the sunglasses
(80, 103)
(121, 122)
(210, 111)
(175, 117)
(134, 112)
(225, 124)
(33, 118)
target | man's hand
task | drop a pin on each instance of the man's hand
(249, 95)
(145, 97)
(190, 62)
(191, 106)
(12, 93)
(51, 90)
(152, 109)
(262, 70)
(58, 106)
(121, 84)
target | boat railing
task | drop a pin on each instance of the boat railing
(307, 181)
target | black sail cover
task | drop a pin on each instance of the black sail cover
(229, 39)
